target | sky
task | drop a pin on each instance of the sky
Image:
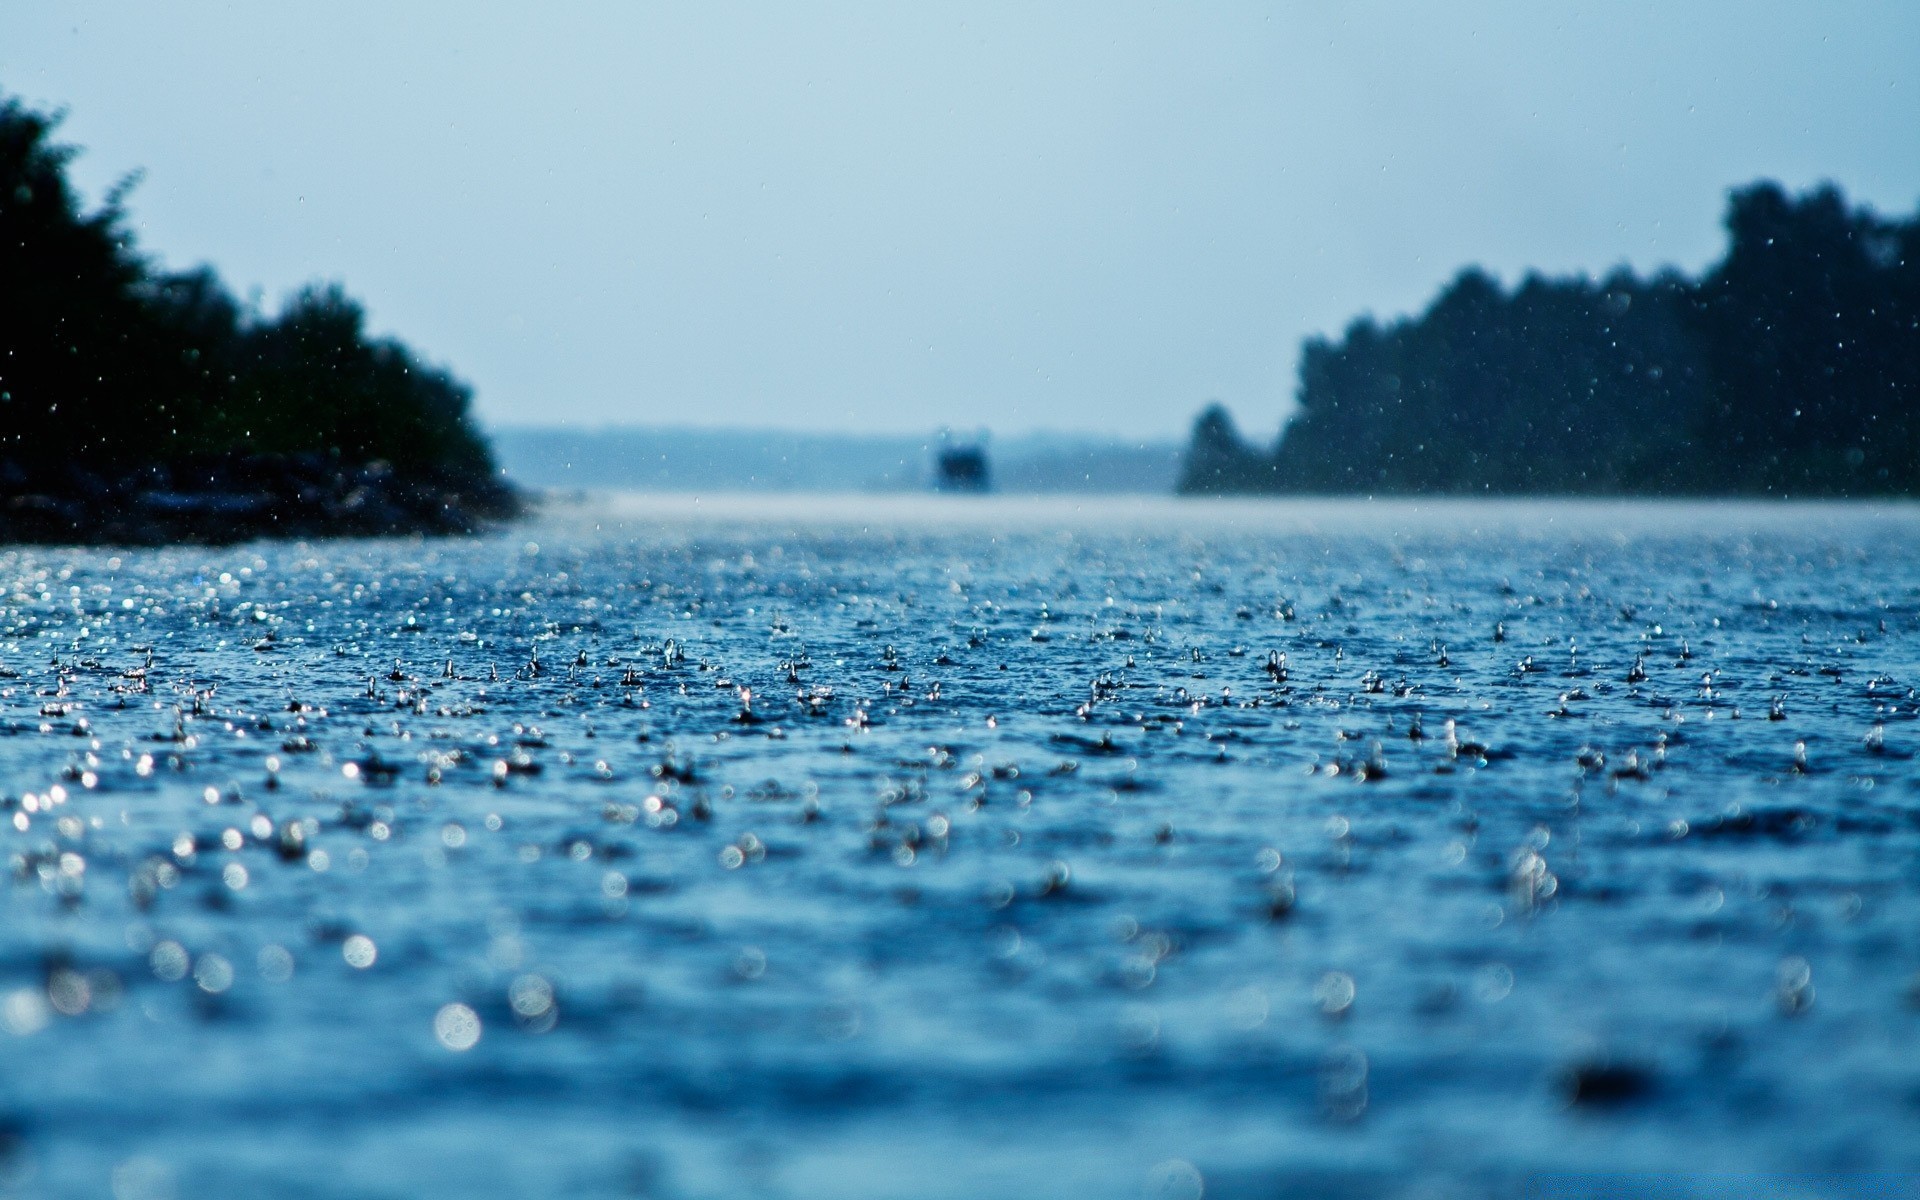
(890, 217)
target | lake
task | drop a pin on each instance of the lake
(894, 846)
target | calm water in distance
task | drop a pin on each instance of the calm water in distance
(913, 847)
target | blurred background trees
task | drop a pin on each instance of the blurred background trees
(1791, 368)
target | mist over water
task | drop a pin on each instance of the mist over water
(875, 846)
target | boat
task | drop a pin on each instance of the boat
(962, 466)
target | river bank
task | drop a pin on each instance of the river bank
(222, 499)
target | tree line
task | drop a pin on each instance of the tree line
(1791, 367)
(114, 369)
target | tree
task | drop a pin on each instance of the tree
(108, 365)
(1791, 367)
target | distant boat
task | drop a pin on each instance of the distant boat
(962, 467)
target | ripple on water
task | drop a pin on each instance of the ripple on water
(679, 849)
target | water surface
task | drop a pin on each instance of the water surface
(893, 846)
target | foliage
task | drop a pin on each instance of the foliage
(1219, 461)
(1791, 368)
(108, 364)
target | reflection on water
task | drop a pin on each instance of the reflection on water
(904, 846)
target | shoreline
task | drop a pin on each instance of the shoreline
(229, 499)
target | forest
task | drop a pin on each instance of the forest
(143, 405)
(1790, 368)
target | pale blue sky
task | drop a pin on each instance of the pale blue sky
(1090, 216)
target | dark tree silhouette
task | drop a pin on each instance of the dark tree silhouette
(314, 380)
(1812, 327)
(1218, 461)
(1791, 368)
(76, 345)
(122, 387)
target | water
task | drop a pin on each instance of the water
(951, 848)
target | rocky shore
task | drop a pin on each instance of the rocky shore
(239, 497)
